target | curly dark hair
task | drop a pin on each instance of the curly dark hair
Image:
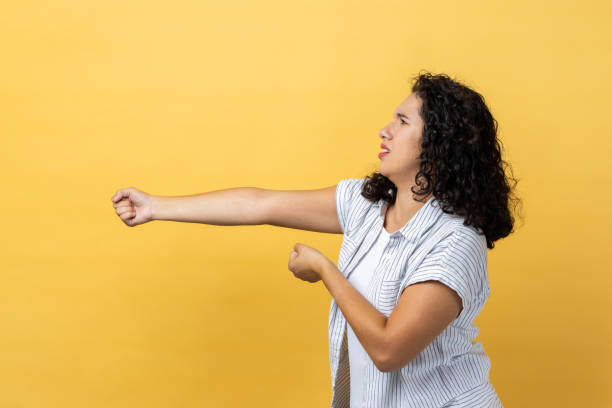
(460, 160)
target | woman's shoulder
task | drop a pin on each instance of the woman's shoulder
(456, 229)
(350, 188)
(351, 205)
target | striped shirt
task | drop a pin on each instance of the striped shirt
(453, 370)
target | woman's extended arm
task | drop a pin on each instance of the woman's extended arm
(311, 210)
(233, 206)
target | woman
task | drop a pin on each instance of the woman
(412, 270)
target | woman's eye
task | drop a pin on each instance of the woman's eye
(403, 123)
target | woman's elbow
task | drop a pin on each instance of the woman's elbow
(393, 360)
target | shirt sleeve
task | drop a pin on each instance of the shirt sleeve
(459, 262)
(348, 194)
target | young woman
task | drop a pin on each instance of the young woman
(412, 270)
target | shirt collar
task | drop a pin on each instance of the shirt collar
(424, 218)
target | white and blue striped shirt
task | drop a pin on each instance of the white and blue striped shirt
(452, 371)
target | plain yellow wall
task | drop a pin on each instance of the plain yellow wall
(184, 97)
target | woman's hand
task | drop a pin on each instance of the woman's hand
(306, 263)
(133, 206)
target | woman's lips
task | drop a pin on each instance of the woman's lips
(382, 154)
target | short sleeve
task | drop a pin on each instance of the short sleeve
(348, 193)
(460, 262)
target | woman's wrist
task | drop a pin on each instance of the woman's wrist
(158, 207)
(325, 267)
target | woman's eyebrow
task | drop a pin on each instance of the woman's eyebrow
(401, 115)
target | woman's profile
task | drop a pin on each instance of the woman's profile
(412, 270)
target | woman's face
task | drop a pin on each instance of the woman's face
(402, 136)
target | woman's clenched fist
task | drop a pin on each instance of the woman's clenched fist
(133, 206)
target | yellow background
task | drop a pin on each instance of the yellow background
(185, 97)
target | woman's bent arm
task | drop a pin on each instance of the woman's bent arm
(233, 206)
